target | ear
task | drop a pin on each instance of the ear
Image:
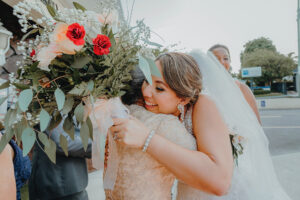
(185, 101)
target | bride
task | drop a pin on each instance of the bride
(146, 176)
(253, 177)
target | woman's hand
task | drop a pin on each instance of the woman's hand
(130, 131)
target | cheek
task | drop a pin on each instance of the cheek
(167, 104)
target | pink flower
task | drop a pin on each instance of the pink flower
(45, 55)
(63, 42)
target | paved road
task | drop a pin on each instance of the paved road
(282, 128)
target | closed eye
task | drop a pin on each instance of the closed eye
(159, 89)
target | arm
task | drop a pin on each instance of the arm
(7, 178)
(209, 169)
(248, 95)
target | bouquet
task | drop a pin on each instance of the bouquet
(77, 57)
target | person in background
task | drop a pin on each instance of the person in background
(68, 178)
(223, 55)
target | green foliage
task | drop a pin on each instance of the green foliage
(144, 66)
(274, 65)
(44, 139)
(79, 113)
(259, 92)
(51, 151)
(68, 127)
(28, 140)
(60, 98)
(79, 6)
(259, 43)
(44, 119)
(68, 105)
(24, 99)
(64, 144)
(84, 134)
(4, 85)
(51, 10)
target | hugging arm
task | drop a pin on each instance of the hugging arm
(208, 169)
(7, 178)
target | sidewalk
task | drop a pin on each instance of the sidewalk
(286, 167)
(278, 102)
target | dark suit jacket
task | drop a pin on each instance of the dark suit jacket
(68, 176)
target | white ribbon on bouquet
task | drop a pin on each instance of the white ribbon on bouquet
(102, 113)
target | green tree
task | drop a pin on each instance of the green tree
(274, 65)
(259, 43)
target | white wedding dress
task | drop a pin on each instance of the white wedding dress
(254, 177)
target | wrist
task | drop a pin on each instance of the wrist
(148, 140)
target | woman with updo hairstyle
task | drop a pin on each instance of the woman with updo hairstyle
(223, 55)
(178, 132)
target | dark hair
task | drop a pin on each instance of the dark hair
(219, 46)
(181, 72)
(134, 92)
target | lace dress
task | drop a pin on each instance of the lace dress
(140, 176)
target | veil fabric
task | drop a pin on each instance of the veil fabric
(254, 177)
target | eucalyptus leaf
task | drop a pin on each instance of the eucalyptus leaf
(21, 86)
(44, 119)
(51, 151)
(79, 112)
(51, 10)
(63, 142)
(10, 117)
(144, 66)
(28, 139)
(80, 62)
(79, 6)
(90, 125)
(6, 138)
(4, 85)
(55, 121)
(68, 105)
(84, 134)
(68, 127)
(29, 33)
(24, 99)
(90, 85)
(153, 67)
(19, 128)
(44, 139)
(2, 100)
(80, 90)
(60, 98)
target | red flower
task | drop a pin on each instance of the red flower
(101, 45)
(76, 33)
(32, 53)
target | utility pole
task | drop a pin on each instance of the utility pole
(298, 71)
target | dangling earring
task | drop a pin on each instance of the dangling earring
(180, 107)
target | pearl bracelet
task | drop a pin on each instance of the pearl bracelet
(152, 132)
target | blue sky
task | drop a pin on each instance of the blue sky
(202, 23)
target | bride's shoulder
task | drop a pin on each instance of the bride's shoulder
(204, 105)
